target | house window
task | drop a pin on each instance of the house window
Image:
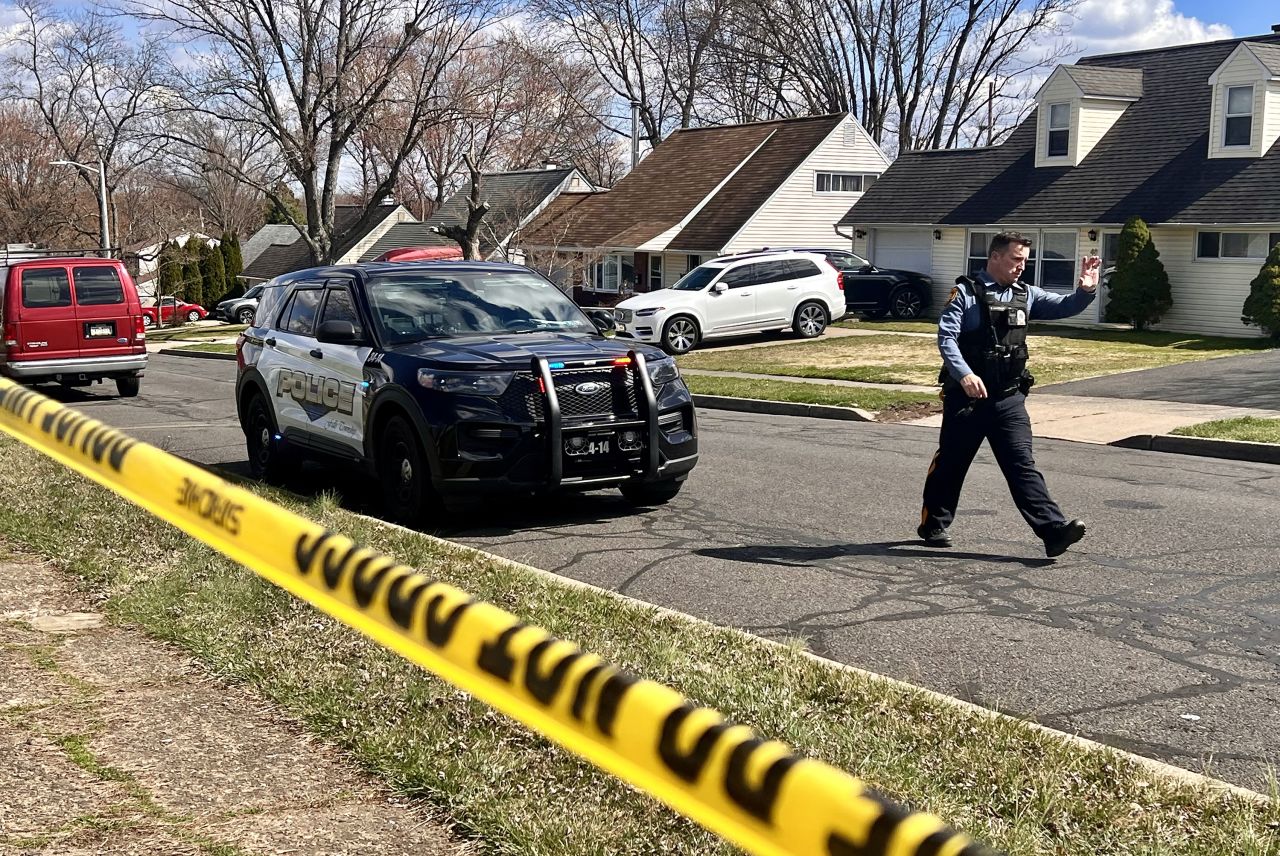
(1057, 260)
(843, 182)
(1059, 130)
(655, 272)
(1238, 127)
(1235, 245)
(692, 261)
(612, 273)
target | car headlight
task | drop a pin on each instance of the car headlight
(662, 371)
(473, 383)
(652, 310)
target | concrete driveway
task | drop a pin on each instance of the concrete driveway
(1252, 381)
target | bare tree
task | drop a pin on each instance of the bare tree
(303, 77)
(468, 233)
(94, 89)
(38, 201)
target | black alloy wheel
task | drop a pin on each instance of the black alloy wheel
(680, 335)
(245, 315)
(906, 302)
(810, 320)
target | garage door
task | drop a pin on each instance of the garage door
(905, 249)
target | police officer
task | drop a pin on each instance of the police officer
(982, 336)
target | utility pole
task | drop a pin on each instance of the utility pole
(104, 228)
(635, 133)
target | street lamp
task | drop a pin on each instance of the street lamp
(101, 170)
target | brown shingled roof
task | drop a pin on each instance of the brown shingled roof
(680, 173)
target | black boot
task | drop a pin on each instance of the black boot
(1057, 541)
(934, 535)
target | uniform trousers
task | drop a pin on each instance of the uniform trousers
(1003, 422)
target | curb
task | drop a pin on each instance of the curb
(783, 408)
(200, 355)
(1205, 447)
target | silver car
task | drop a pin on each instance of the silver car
(240, 309)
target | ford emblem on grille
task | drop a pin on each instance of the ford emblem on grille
(590, 387)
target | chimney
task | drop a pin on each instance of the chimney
(550, 165)
(1275, 28)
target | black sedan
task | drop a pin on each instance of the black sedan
(875, 292)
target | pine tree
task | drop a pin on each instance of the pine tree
(213, 274)
(1262, 306)
(1140, 293)
(191, 282)
(237, 266)
(228, 262)
(290, 212)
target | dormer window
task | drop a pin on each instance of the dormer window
(1059, 130)
(1238, 126)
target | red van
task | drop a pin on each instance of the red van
(74, 321)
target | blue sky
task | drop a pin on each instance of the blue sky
(1244, 17)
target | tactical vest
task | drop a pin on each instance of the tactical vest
(997, 349)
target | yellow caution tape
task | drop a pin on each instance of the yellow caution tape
(754, 793)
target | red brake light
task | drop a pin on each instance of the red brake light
(840, 279)
(11, 337)
(139, 329)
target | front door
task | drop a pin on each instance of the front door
(339, 370)
(290, 367)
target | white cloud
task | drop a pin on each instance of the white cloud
(1115, 26)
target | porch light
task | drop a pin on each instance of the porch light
(937, 234)
(1093, 234)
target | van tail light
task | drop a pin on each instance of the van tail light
(139, 329)
(11, 337)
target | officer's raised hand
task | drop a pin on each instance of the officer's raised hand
(1089, 267)
(973, 386)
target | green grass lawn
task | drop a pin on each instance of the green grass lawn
(1059, 354)
(209, 347)
(190, 331)
(889, 325)
(1021, 790)
(886, 404)
(1251, 428)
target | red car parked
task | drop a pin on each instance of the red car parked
(73, 321)
(170, 305)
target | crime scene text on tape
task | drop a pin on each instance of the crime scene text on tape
(753, 792)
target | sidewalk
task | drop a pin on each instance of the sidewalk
(112, 742)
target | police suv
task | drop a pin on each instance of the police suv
(454, 379)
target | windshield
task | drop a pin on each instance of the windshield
(697, 279)
(253, 292)
(419, 305)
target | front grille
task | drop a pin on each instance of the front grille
(622, 316)
(615, 397)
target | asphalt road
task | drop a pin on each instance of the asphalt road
(1160, 635)
(1244, 381)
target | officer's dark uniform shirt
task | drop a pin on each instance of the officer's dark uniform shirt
(962, 313)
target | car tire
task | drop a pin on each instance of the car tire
(193, 316)
(127, 387)
(906, 302)
(404, 474)
(874, 314)
(680, 335)
(651, 493)
(810, 320)
(148, 321)
(270, 457)
(245, 315)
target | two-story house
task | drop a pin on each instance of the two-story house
(1184, 137)
(705, 192)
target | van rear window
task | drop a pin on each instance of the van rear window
(45, 288)
(98, 285)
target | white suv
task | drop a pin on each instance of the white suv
(733, 295)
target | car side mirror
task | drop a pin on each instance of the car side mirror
(338, 333)
(719, 288)
(867, 269)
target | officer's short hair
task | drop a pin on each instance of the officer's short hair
(1003, 239)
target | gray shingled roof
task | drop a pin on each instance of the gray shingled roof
(407, 235)
(1106, 82)
(512, 196)
(272, 233)
(1153, 163)
(1268, 55)
(285, 258)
